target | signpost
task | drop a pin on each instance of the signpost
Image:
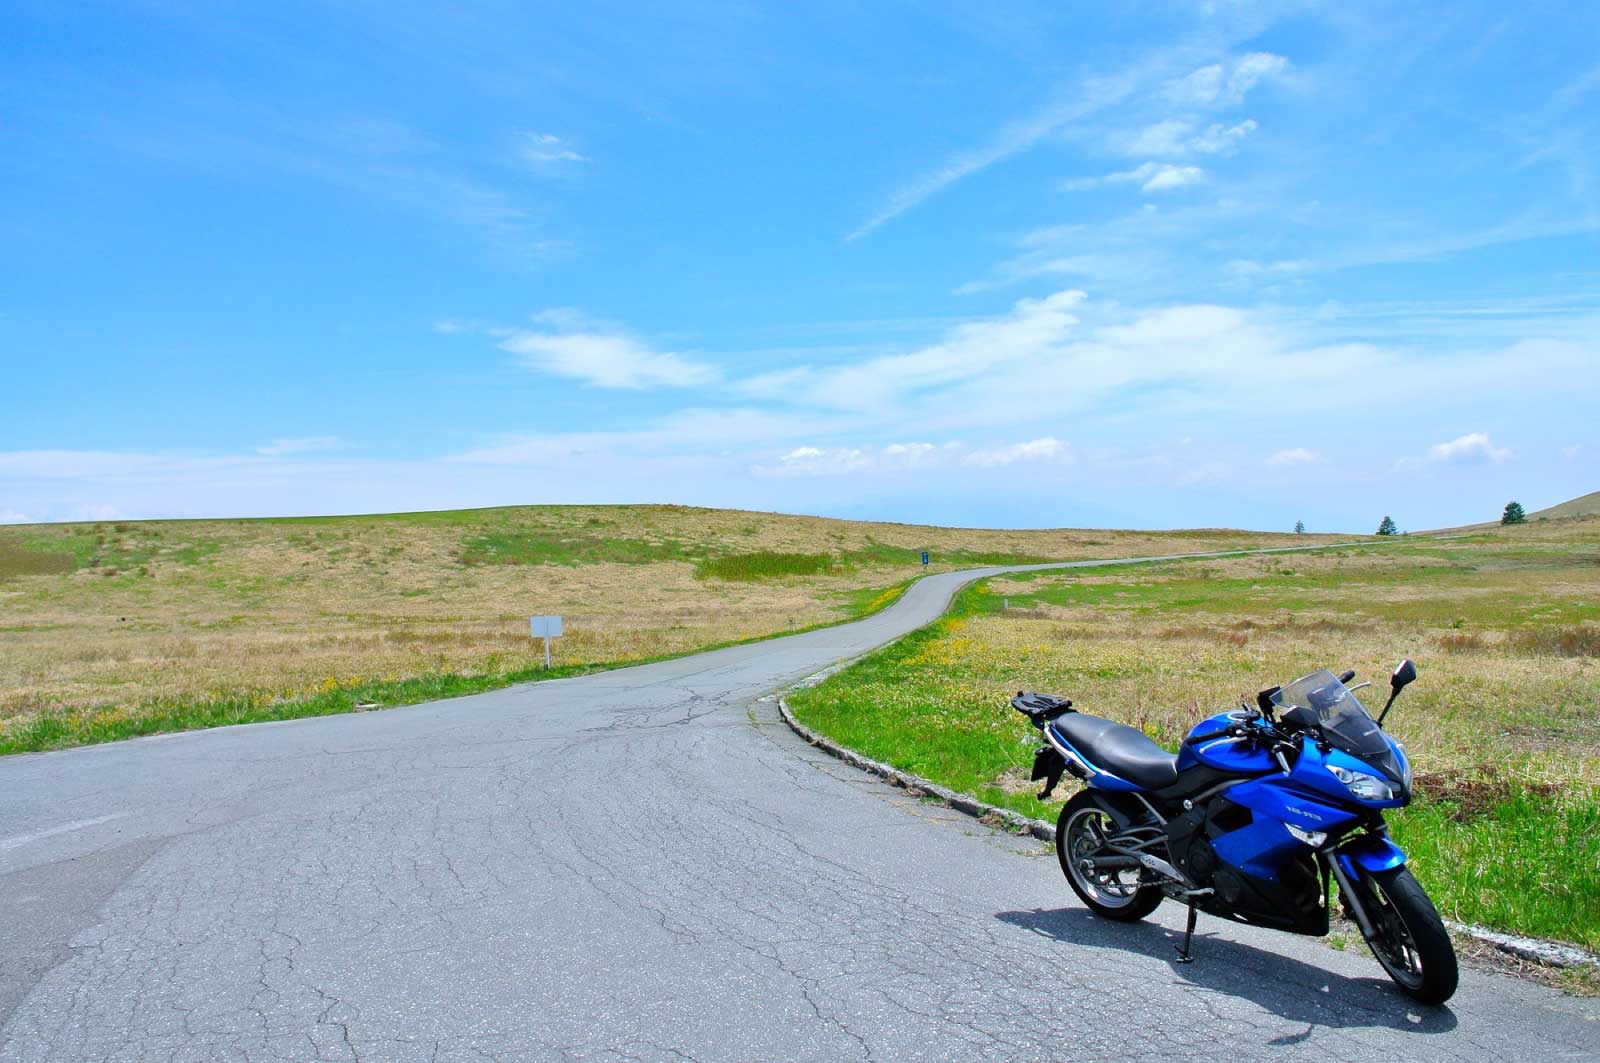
(547, 628)
(924, 559)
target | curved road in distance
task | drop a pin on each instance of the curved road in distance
(640, 864)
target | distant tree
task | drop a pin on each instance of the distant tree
(1513, 514)
(1388, 527)
(1299, 527)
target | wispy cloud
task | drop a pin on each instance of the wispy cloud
(810, 460)
(1031, 329)
(1178, 137)
(1150, 177)
(1093, 96)
(544, 149)
(1047, 448)
(1293, 456)
(844, 460)
(300, 445)
(604, 356)
(1225, 84)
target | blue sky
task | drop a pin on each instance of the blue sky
(1144, 264)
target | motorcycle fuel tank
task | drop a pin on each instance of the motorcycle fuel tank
(1224, 754)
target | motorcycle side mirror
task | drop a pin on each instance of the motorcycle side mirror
(1404, 673)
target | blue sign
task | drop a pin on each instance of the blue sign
(924, 557)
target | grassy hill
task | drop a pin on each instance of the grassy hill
(110, 629)
(1584, 506)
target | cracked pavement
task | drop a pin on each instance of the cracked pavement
(642, 864)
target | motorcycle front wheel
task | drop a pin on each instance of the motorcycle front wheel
(1409, 938)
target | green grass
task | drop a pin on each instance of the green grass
(24, 560)
(114, 549)
(1529, 862)
(91, 726)
(764, 564)
(564, 547)
(1506, 828)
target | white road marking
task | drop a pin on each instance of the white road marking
(66, 828)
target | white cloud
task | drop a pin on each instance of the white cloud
(1094, 95)
(600, 356)
(11, 516)
(1253, 69)
(73, 464)
(847, 460)
(909, 455)
(1293, 456)
(897, 457)
(1225, 84)
(1220, 140)
(302, 445)
(815, 461)
(1246, 268)
(1122, 384)
(1179, 137)
(1474, 447)
(1571, 453)
(1047, 448)
(1201, 87)
(1170, 137)
(1031, 330)
(544, 149)
(1150, 177)
(1165, 178)
(838, 461)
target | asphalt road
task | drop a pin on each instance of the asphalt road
(636, 865)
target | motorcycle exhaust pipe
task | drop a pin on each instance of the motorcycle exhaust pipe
(1107, 863)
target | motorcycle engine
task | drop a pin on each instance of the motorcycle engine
(1187, 845)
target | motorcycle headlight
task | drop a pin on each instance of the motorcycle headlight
(1367, 787)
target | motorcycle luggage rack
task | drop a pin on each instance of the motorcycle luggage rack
(1041, 708)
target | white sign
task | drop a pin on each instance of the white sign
(547, 628)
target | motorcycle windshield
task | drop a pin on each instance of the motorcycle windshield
(1344, 719)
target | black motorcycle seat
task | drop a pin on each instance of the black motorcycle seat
(1122, 750)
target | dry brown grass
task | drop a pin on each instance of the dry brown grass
(1506, 629)
(95, 615)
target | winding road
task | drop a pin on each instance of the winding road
(641, 864)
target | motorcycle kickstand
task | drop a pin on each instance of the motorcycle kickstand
(1185, 951)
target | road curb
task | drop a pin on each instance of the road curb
(917, 785)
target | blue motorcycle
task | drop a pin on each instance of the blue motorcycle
(1249, 821)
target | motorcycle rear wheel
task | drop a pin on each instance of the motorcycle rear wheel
(1081, 830)
(1409, 939)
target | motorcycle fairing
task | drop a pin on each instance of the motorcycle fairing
(1265, 844)
(1311, 773)
(1371, 852)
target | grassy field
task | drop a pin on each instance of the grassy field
(1503, 725)
(114, 629)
